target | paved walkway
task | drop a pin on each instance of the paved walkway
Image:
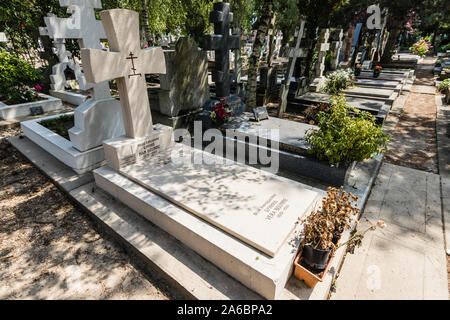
(413, 141)
(406, 260)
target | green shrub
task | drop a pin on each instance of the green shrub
(444, 86)
(16, 78)
(338, 81)
(343, 137)
(60, 125)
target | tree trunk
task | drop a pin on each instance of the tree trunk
(394, 27)
(263, 28)
(147, 33)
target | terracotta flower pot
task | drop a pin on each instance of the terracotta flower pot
(304, 274)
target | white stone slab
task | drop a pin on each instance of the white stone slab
(370, 92)
(290, 133)
(240, 200)
(70, 97)
(49, 103)
(62, 149)
(265, 275)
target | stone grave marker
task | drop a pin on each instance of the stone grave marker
(222, 42)
(3, 37)
(98, 118)
(337, 44)
(322, 47)
(292, 54)
(184, 87)
(128, 64)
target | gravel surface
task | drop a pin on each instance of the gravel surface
(50, 249)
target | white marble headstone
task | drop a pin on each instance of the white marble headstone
(3, 37)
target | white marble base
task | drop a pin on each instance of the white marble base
(8, 112)
(124, 151)
(61, 148)
(70, 97)
(263, 274)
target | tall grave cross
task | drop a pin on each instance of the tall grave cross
(82, 25)
(337, 43)
(222, 42)
(322, 47)
(128, 64)
(293, 54)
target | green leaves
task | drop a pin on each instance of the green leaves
(343, 137)
(16, 76)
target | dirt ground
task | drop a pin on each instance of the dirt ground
(49, 249)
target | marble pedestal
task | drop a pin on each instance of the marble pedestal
(124, 151)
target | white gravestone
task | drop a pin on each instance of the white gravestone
(128, 64)
(3, 37)
(98, 118)
(322, 47)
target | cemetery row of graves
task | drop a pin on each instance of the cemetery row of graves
(262, 172)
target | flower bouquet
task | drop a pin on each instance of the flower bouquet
(420, 48)
(377, 71)
(222, 113)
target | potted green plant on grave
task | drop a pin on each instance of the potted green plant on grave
(346, 135)
(322, 231)
(17, 80)
(222, 113)
(358, 69)
(377, 71)
(338, 81)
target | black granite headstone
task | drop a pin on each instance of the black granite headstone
(222, 42)
(36, 111)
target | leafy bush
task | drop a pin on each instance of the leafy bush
(343, 137)
(444, 48)
(444, 86)
(16, 78)
(338, 81)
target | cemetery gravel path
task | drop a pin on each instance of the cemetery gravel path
(49, 249)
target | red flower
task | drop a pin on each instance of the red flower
(223, 99)
(38, 87)
(217, 107)
(221, 113)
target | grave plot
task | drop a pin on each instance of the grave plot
(381, 84)
(96, 119)
(385, 95)
(45, 104)
(224, 213)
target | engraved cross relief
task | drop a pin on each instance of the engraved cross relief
(132, 58)
(222, 42)
(122, 29)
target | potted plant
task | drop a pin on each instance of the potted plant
(345, 135)
(222, 113)
(377, 71)
(322, 232)
(358, 69)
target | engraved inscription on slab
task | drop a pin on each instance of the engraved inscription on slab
(148, 149)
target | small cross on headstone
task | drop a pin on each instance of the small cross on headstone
(222, 42)
(127, 63)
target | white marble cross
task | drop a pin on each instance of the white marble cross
(83, 26)
(128, 64)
